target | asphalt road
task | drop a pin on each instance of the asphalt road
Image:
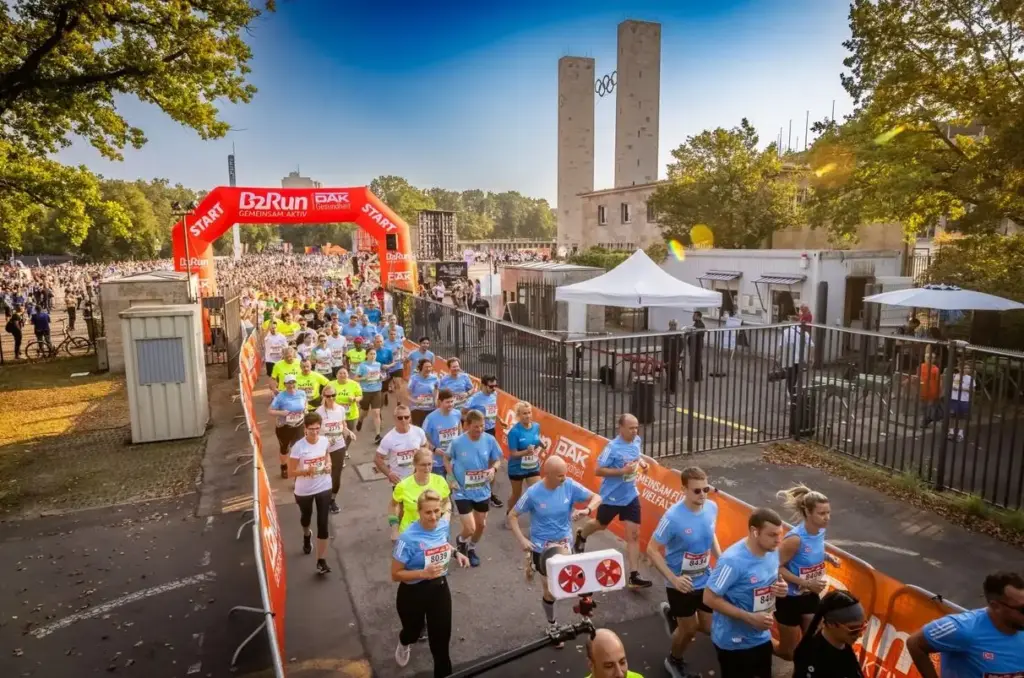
(140, 590)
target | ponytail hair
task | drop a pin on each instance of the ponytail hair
(832, 602)
(801, 501)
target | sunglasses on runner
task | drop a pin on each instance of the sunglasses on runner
(700, 490)
(403, 417)
(328, 395)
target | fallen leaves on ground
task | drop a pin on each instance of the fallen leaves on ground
(792, 453)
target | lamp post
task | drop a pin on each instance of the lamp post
(181, 210)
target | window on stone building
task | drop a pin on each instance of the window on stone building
(602, 215)
(624, 213)
(651, 214)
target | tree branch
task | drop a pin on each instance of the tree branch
(63, 24)
(89, 79)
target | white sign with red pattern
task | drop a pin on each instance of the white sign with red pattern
(573, 575)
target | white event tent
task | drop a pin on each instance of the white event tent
(638, 282)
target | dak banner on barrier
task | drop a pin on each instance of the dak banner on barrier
(896, 610)
(267, 535)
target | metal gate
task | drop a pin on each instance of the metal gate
(223, 335)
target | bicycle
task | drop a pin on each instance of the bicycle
(73, 346)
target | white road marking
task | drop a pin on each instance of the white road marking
(195, 668)
(43, 631)
(843, 543)
(209, 524)
(205, 560)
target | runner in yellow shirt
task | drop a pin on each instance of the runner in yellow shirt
(349, 394)
(282, 368)
(408, 491)
(312, 383)
(356, 355)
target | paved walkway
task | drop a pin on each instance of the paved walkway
(347, 622)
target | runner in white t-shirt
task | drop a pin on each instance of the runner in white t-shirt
(337, 345)
(335, 429)
(310, 464)
(274, 344)
(960, 402)
(397, 447)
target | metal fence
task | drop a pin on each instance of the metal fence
(225, 338)
(947, 412)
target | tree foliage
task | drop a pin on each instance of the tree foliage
(479, 215)
(64, 63)
(722, 180)
(938, 129)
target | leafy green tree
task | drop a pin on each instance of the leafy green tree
(722, 180)
(313, 235)
(405, 199)
(64, 63)
(938, 128)
(599, 257)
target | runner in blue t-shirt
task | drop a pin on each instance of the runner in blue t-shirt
(352, 328)
(803, 559)
(524, 451)
(471, 462)
(741, 591)
(421, 352)
(550, 505)
(681, 549)
(458, 382)
(442, 426)
(983, 643)
(394, 344)
(370, 377)
(485, 401)
(617, 467)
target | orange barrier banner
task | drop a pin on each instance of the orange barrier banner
(896, 610)
(269, 543)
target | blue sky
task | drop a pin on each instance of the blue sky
(462, 97)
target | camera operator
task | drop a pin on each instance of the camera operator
(606, 656)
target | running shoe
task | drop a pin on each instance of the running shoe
(638, 582)
(668, 618)
(334, 507)
(402, 653)
(580, 545)
(377, 439)
(359, 425)
(322, 567)
(307, 544)
(496, 502)
(474, 559)
(677, 668)
(284, 471)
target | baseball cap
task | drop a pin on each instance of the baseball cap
(358, 340)
(289, 378)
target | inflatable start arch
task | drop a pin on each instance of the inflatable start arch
(192, 238)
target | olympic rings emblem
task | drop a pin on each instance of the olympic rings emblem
(606, 84)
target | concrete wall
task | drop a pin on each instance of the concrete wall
(637, 103)
(614, 233)
(116, 296)
(575, 144)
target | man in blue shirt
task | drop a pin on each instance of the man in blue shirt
(681, 550)
(741, 591)
(550, 505)
(442, 426)
(41, 325)
(471, 462)
(421, 352)
(485, 401)
(985, 642)
(618, 466)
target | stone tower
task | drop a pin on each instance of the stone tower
(575, 144)
(637, 102)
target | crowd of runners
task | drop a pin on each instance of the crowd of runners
(335, 358)
(442, 457)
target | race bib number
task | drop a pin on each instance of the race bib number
(564, 543)
(372, 374)
(324, 368)
(317, 466)
(337, 353)
(425, 400)
(529, 461)
(446, 435)
(294, 418)
(476, 479)
(764, 599)
(813, 573)
(695, 564)
(274, 354)
(332, 429)
(438, 555)
(629, 477)
(491, 411)
(404, 457)
(308, 389)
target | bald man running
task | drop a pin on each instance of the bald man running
(618, 466)
(550, 506)
(606, 656)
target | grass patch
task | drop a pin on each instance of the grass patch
(968, 511)
(65, 444)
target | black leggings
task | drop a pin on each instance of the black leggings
(429, 601)
(323, 502)
(754, 662)
(337, 464)
(288, 436)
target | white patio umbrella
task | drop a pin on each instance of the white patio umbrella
(944, 298)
